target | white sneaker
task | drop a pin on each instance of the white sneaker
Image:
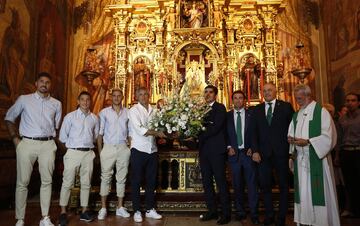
(122, 212)
(102, 214)
(46, 222)
(153, 214)
(137, 217)
(20, 223)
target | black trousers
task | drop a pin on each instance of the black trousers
(265, 167)
(350, 165)
(213, 166)
(143, 165)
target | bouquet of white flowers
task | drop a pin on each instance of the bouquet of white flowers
(181, 115)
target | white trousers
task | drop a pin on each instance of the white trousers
(111, 156)
(82, 162)
(27, 152)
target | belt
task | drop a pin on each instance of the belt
(81, 149)
(351, 148)
(39, 138)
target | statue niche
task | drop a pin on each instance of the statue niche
(194, 78)
(250, 75)
(194, 14)
(142, 73)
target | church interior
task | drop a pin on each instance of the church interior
(163, 45)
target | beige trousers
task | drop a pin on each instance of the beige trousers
(82, 162)
(27, 152)
(110, 156)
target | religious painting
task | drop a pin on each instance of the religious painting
(250, 73)
(14, 34)
(344, 80)
(343, 28)
(194, 14)
(51, 54)
(2, 6)
(99, 59)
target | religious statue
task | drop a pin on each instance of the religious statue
(251, 68)
(194, 79)
(170, 18)
(218, 16)
(141, 73)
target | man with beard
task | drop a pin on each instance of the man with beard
(40, 118)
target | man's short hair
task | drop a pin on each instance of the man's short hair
(43, 74)
(270, 83)
(304, 88)
(117, 90)
(214, 88)
(84, 93)
(353, 94)
(238, 92)
(141, 89)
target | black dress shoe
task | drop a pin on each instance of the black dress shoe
(240, 217)
(63, 219)
(224, 220)
(269, 221)
(208, 216)
(280, 222)
(255, 220)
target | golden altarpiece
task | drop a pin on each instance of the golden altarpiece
(166, 43)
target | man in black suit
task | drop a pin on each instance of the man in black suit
(239, 156)
(271, 150)
(212, 155)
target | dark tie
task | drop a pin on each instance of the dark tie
(269, 113)
(239, 129)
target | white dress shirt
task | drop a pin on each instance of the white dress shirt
(113, 125)
(79, 130)
(273, 102)
(40, 116)
(242, 114)
(139, 118)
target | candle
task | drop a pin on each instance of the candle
(261, 83)
(248, 84)
(230, 85)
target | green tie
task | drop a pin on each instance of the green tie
(239, 129)
(269, 113)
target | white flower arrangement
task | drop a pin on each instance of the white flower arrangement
(181, 115)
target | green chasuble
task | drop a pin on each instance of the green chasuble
(316, 165)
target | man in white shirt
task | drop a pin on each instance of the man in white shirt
(312, 136)
(40, 117)
(78, 132)
(115, 152)
(143, 158)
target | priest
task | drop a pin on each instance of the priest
(311, 136)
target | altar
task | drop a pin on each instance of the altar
(167, 45)
(158, 44)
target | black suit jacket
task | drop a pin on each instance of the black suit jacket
(231, 133)
(271, 139)
(212, 140)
